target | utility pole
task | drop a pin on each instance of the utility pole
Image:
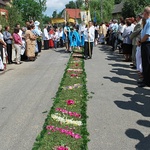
(101, 9)
(87, 8)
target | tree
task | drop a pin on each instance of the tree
(134, 7)
(128, 10)
(95, 7)
(60, 13)
(76, 4)
(30, 9)
(42, 4)
(71, 4)
(79, 3)
(46, 19)
(54, 15)
(14, 17)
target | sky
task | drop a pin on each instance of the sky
(52, 5)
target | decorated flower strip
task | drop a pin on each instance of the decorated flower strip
(70, 102)
(72, 114)
(52, 134)
(65, 120)
(75, 61)
(74, 76)
(61, 148)
(75, 70)
(75, 86)
(64, 131)
(77, 55)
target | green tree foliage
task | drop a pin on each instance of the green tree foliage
(95, 8)
(118, 1)
(79, 3)
(54, 15)
(71, 4)
(133, 7)
(107, 7)
(46, 19)
(14, 17)
(3, 21)
(74, 4)
(30, 9)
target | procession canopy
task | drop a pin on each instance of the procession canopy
(57, 20)
(71, 20)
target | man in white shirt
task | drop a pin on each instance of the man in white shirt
(89, 41)
(61, 37)
(114, 34)
(46, 38)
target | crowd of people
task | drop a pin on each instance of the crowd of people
(71, 35)
(131, 36)
(24, 43)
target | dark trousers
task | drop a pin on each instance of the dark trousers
(46, 44)
(9, 52)
(61, 42)
(114, 41)
(39, 46)
(145, 53)
(55, 44)
(88, 52)
(1, 51)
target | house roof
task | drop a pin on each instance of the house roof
(2, 3)
(73, 13)
(118, 8)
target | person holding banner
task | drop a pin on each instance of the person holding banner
(89, 41)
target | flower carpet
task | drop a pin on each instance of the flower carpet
(65, 127)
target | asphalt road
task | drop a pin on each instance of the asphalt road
(119, 112)
(26, 91)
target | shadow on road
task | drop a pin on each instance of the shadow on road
(60, 51)
(138, 102)
(144, 142)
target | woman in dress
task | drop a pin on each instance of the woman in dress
(51, 42)
(96, 34)
(30, 43)
(138, 54)
(127, 43)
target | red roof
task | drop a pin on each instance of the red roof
(73, 13)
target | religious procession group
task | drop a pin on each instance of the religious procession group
(71, 35)
(25, 43)
(131, 36)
